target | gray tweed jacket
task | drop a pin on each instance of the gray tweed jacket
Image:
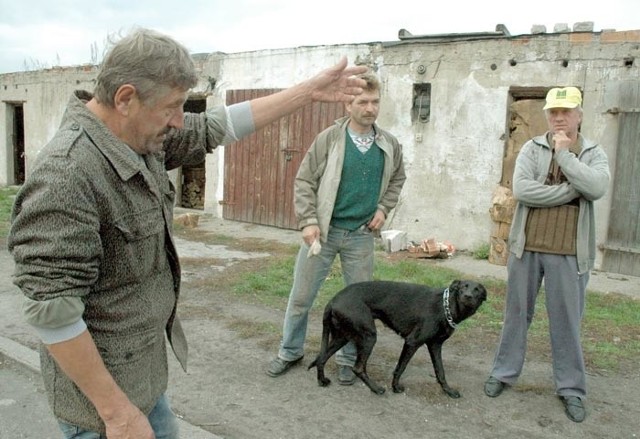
(93, 222)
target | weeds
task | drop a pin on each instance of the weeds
(610, 330)
(611, 335)
(482, 251)
(7, 195)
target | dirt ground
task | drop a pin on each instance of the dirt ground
(232, 339)
(227, 392)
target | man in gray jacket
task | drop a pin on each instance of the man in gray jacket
(91, 231)
(347, 184)
(557, 178)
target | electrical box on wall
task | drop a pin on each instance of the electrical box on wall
(421, 108)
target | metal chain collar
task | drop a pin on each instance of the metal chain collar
(447, 310)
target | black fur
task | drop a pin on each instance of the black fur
(415, 312)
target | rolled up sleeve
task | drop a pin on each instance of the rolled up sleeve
(55, 320)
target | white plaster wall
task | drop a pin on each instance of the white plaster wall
(455, 167)
(265, 69)
(44, 95)
(454, 170)
(453, 162)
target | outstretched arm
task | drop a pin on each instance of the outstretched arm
(335, 84)
(222, 125)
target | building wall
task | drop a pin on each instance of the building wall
(44, 95)
(454, 170)
(453, 161)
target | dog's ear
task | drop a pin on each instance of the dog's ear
(455, 285)
(485, 293)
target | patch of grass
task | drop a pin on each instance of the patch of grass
(250, 328)
(537, 389)
(482, 251)
(275, 281)
(610, 330)
(7, 195)
(413, 271)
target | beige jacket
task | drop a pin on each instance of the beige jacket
(318, 178)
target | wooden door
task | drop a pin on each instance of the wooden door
(622, 248)
(259, 170)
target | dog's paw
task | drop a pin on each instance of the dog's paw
(452, 393)
(324, 382)
(378, 390)
(398, 388)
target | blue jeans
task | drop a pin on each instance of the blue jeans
(356, 257)
(161, 418)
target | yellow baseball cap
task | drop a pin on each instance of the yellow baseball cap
(567, 97)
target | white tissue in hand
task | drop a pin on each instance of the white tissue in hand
(315, 248)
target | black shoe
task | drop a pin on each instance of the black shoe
(494, 387)
(346, 377)
(278, 366)
(574, 408)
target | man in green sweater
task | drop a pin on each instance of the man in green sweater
(347, 184)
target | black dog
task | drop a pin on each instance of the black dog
(418, 313)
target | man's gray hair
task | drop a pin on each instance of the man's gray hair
(148, 60)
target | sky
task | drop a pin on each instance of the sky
(37, 34)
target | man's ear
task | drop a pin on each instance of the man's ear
(124, 97)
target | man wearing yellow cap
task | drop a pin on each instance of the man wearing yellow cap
(557, 178)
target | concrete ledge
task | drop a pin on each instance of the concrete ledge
(31, 359)
(20, 353)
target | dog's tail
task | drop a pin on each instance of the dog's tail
(324, 344)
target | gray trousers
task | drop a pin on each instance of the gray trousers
(565, 292)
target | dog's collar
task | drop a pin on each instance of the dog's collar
(447, 311)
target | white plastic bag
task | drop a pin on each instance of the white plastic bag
(314, 249)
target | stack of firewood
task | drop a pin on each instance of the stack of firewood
(193, 195)
(502, 209)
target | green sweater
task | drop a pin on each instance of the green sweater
(358, 193)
